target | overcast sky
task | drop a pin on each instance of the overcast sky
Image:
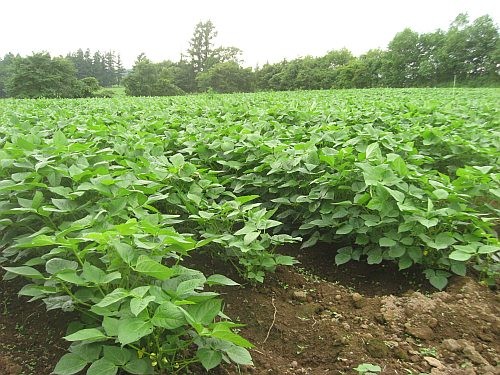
(266, 30)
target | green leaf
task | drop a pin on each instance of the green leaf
(69, 364)
(177, 160)
(245, 198)
(206, 311)
(88, 351)
(397, 195)
(169, 316)
(139, 304)
(86, 334)
(59, 139)
(217, 279)
(25, 271)
(55, 265)
(209, 358)
(399, 165)
(443, 240)
(428, 223)
(139, 367)
(132, 329)
(116, 355)
(188, 287)
(469, 248)
(92, 273)
(115, 275)
(405, 262)
(70, 276)
(250, 237)
(152, 268)
(102, 367)
(239, 355)
(115, 296)
(440, 193)
(460, 256)
(438, 282)
(372, 150)
(386, 242)
(311, 241)
(345, 229)
(126, 252)
(224, 333)
(140, 291)
(110, 326)
(488, 249)
(397, 251)
(285, 260)
(248, 228)
(459, 268)
(64, 205)
(375, 257)
(33, 290)
(37, 200)
(367, 368)
(343, 257)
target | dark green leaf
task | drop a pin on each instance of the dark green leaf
(69, 364)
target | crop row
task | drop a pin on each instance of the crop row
(101, 200)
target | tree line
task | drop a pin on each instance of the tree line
(78, 74)
(466, 54)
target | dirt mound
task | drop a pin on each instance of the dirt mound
(302, 325)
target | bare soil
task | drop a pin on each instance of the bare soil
(314, 319)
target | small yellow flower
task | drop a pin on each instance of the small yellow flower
(154, 363)
(426, 252)
(140, 353)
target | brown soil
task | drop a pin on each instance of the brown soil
(313, 319)
(30, 337)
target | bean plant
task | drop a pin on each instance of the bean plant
(103, 200)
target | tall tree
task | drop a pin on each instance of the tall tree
(6, 70)
(203, 55)
(403, 57)
(201, 44)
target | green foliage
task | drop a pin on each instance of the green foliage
(40, 76)
(149, 79)
(106, 67)
(102, 200)
(88, 87)
(368, 369)
(226, 78)
(6, 67)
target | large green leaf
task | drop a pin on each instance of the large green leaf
(239, 355)
(87, 334)
(25, 271)
(116, 355)
(169, 316)
(102, 366)
(150, 267)
(209, 358)
(133, 329)
(116, 295)
(69, 364)
(139, 367)
(224, 333)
